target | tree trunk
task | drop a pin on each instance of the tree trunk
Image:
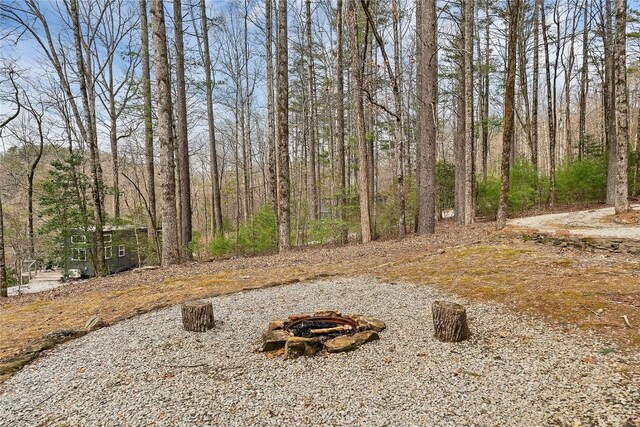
(197, 316)
(363, 163)
(459, 140)
(182, 140)
(509, 111)
(113, 142)
(609, 104)
(341, 178)
(568, 72)
(485, 100)
(90, 136)
(535, 90)
(469, 135)
(148, 130)
(427, 102)
(398, 129)
(283, 128)
(622, 120)
(582, 121)
(314, 193)
(170, 253)
(216, 204)
(450, 321)
(273, 169)
(30, 179)
(3, 266)
(551, 116)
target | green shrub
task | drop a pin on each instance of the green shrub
(222, 246)
(445, 186)
(525, 190)
(257, 236)
(582, 181)
(325, 230)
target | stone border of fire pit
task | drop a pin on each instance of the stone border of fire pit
(279, 339)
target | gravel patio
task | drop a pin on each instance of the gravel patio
(514, 371)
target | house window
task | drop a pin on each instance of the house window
(78, 254)
(79, 238)
(108, 237)
(121, 251)
(108, 252)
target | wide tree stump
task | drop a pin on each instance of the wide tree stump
(450, 321)
(197, 316)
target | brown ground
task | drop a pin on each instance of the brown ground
(562, 285)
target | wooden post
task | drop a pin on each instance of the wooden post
(197, 316)
(450, 321)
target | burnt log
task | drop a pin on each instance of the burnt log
(197, 316)
(450, 321)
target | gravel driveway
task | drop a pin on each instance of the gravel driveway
(147, 371)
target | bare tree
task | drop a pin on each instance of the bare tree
(313, 148)
(341, 176)
(5, 122)
(170, 254)
(622, 120)
(509, 110)
(3, 265)
(182, 140)
(271, 132)
(427, 57)
(584, 78)
(535, 89)
(363, 164)
(394, 77)
(216, 203)
(551, 110)
(469, 136)
(148, 128)
(283, 128)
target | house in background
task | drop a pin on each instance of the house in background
(125, 247)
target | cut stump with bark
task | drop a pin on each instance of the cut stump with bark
(450, 321)
(197, 316)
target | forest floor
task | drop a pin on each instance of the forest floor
(583, 291)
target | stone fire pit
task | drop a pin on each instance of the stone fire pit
(307, 335)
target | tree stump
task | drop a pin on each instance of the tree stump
(450, 321)
(197, 316)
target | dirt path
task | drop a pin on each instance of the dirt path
(587, 291)
(589, 223)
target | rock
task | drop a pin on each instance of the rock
(371, 324)
(94, 323)
(341, 344)
(327, 313)
(365, 337)
(274, 340)
(276, 324)
(440, 251)
(298, 346)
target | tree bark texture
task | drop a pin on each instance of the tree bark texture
(450, 322)
(509, 112)
(427, 94)
(283, 128)
(197, 316)
(363, 164)
(622, 118)
(170, 254)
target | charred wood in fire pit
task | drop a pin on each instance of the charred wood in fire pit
(197, 316)
(335, 330)
(450, 321)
